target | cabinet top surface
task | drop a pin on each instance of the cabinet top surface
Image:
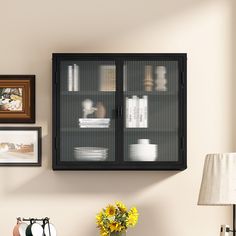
(117, 55)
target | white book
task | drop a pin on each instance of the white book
(135, 110)
(132, 112)
(70, 78)
(127, 112)
(141, 113)
(76, 78)
(130, 117)
(145, 98)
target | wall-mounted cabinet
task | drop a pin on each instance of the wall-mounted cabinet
(119, 111)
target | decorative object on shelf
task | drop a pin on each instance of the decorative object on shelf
(107, 78)
(88, 108)
(136, 112)
(101, 110)
(148, 79)
(115, 219)
(94, 122)
(90, 153)
(73, 79)
(17, 99)
(20, 146)
(218, 187)
(143, 151)
(161, 80)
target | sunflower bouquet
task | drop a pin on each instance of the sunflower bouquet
(115, 219)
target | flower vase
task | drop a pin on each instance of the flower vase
(123, 233)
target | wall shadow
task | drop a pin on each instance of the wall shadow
(81, 182)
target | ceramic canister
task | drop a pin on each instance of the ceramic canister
(143, 151)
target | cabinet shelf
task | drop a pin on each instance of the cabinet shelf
(77, 129)
(88, 93)
(84, 130)
(150, 130)
(126, 93)
(143, 93)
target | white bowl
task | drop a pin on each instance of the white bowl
(143, 152)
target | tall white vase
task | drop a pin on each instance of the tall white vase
(161, 80)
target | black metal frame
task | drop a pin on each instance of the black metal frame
(119, 164)
(34, 128)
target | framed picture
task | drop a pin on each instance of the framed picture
(17, 99)
(20, 146)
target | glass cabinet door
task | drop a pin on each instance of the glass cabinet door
(87, 103)
(151, 91)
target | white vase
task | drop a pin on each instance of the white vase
(143, 151)
(161, 80)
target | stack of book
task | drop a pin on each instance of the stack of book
(94, 122)
(137, 112)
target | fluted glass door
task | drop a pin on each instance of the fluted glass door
(87, 104)
(151, 110)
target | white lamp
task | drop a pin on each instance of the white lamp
(219, 181)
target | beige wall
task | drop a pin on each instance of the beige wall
(30, 31)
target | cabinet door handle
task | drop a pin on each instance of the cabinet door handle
(119, 111)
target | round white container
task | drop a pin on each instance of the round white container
(143, 151)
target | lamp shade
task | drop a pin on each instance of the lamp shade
(218, 180)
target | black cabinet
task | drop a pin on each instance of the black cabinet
(119, 111)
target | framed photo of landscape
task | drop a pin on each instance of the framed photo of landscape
(20, 146)
(17, 98)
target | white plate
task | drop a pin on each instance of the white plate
(22, 228)
(37, 229)
(52, 231)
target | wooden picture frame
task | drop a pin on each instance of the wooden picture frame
(20, 146)
(17, 98)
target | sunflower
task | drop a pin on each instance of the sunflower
(104, 232)
(115, 227)
(99, 218)
(132, 220)
(110, 210)
(132, 217)
(116, 218)
(121, 206)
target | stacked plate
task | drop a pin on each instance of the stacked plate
(90, 153)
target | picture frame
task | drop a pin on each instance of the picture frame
(20, 146)
(17, 98)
